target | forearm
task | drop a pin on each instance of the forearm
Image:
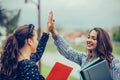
(54, 32)
(41, 47)
(68, 51)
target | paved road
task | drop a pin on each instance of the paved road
(49, 59)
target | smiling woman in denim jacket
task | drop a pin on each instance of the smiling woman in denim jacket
(98, 45)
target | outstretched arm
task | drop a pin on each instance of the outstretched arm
(43, 41)
(64, 48)
(41, 47)
(68, 52)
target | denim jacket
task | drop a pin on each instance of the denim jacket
(80, 57)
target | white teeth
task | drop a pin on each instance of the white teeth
(89, 44)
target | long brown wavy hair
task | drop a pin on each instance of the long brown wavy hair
(10, 54)
(104, 45)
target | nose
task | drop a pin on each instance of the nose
(89, 39)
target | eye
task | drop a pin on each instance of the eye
(94, 38)
(88, 37)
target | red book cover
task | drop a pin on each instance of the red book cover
(59, 72)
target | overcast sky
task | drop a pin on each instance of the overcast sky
(79, 14)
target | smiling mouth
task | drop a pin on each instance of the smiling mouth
(89, 45)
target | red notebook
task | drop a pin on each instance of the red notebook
(59, 72)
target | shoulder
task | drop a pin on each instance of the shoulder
(116, 68)
(116, 64)
(27, 62)
(115, 61)
(28, 70)
(24, 65)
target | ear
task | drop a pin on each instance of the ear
(29, 41)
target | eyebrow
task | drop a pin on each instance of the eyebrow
(93, 36)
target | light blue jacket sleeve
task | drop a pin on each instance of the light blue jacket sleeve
(67, 51)
(116, 69)
(80, 57)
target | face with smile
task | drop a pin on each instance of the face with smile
(92, 40)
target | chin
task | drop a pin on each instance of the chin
(88, 48)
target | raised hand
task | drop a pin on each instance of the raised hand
(50, 22)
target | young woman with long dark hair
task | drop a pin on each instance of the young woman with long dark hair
(20, 53)
(98, 45)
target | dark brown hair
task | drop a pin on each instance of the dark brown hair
(104, 45)
(10, 54)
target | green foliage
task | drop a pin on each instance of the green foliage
(116, 35)
(81, 48)
(12, 23)
(116, 49)
(2, 16)
(9, 21)
(0, 34)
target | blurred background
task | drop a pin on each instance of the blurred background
(73, 19)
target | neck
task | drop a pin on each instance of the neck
(93, 54)
(24, 54)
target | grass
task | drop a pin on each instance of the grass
(116, 49)
(46, 70)
(52, 48)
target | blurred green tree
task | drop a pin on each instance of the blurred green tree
(116, 34)
(3, 17)
(13, 22)
(9, 19)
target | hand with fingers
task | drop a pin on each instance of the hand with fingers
(50, 23)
